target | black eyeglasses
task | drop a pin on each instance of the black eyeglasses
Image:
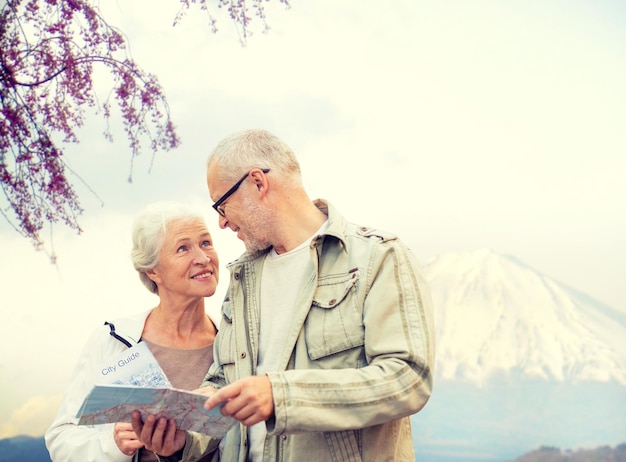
(230, 192)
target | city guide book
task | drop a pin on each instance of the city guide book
(134, 366)
(133, 380)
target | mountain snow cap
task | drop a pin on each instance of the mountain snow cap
(495, 315)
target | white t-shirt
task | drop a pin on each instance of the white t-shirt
(281, 281)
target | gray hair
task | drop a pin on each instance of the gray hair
(149, 230)
(248, 149)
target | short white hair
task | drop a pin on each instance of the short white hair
(254, 148)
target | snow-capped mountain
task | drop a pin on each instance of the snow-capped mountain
(495, 315)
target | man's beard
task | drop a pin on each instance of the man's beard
(256, 226)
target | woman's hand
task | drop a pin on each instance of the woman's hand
(159, 436)
(125, 438)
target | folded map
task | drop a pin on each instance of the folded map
(115, 403)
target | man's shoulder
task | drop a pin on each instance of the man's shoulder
(343, 229)
(370, 232)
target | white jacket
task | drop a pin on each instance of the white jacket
(68, 442)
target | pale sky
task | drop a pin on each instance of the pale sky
(456, 125)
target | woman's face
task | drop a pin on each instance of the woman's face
(188, 264)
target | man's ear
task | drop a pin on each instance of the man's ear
(260, 180)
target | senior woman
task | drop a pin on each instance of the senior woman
(174, 255)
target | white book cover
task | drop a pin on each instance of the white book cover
(136, 366)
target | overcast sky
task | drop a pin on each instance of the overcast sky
(456, 125)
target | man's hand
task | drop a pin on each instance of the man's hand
(160, 437)
(125, 438)
(206, 391)
(247, 400)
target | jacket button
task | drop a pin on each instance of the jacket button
(243, 355)
(333, 301)
(236, 276)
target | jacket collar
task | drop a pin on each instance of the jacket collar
(336, 223)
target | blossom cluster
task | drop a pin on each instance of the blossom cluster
(49, 52)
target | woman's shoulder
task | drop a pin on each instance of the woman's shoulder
(124, 329)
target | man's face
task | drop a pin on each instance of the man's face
(242, 213)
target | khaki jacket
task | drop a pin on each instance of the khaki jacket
(359, 358)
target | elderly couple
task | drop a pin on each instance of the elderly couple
(325, 345)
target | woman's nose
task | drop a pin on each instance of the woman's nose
(202, 257)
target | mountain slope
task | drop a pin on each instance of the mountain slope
(496, 315)
(23, 449)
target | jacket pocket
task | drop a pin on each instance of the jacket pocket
(345, 446)
(335, 322)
